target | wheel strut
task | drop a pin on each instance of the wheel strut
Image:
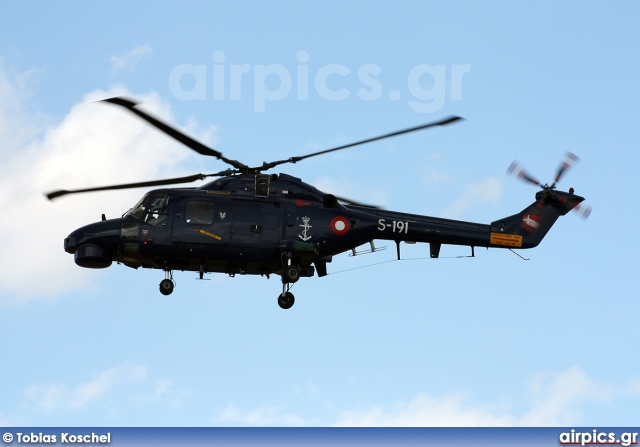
(290, 271)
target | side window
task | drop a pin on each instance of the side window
(199, 213)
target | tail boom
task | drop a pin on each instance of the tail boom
(522, 230)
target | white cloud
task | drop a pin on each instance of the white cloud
(634, 387)
(17, 125)
(484, 193)
(261, 417)
(432, 176)
(57, 397)
(555, 401)
(94, 145)
(427, 411)
(9, 421)
(162, 386)
(129, 60)
(557, 397)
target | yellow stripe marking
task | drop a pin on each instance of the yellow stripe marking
(508, 240)
(206, 233)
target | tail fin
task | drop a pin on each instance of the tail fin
(536, 220)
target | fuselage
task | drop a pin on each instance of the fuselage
(249, 224)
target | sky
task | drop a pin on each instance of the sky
(492, 340)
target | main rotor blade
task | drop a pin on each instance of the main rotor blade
(443, 122)
(354, 203)
(173, 132)
(171, 181)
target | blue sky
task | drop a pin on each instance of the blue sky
(492, 340)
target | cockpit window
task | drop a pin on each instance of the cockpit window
(158, 208)
(151, 209)
(138, 210)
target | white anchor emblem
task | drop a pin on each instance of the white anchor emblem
(305, 228)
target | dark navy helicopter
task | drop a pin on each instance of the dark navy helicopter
(250, 222)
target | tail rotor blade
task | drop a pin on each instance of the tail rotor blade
(583, 211)
(569, 161)
(517, 170)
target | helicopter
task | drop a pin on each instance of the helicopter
(250, 222)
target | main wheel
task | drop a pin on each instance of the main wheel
(291, 274)
(166, 287)
(286, 301)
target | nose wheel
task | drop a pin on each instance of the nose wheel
(167, 284)
(166, 287)
(286, 301)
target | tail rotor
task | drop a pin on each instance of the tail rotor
(570, 159)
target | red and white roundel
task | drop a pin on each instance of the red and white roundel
(340, 226)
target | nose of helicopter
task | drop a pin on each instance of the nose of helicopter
(70, 244)
(92, 245)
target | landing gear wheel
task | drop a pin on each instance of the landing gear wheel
(166, 286)
(291, 274)
(286, 300)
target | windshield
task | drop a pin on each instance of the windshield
(138, 210)
(158, 208)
